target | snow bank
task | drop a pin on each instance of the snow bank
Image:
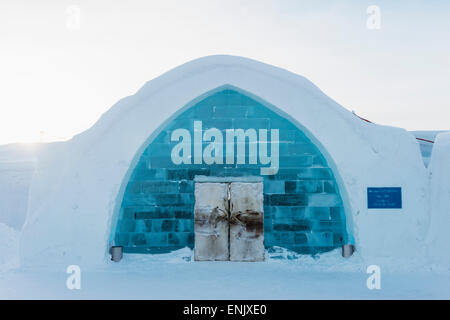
(15, 180)
(78, 185)
(17, 163)
(438, 239)
(9, 247)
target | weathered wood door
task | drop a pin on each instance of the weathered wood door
(246, 222)
(229, 221)
(211, 222)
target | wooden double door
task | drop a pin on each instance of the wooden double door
(229, 221)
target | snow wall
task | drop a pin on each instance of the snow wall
(78, 185)
(438, 239)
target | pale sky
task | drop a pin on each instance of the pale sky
(59, 79)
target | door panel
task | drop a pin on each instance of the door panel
(246, 222)
(211, 222)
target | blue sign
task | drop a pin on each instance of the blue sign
(384, 198)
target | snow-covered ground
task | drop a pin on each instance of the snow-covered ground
(176, 276)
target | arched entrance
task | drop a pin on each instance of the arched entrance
(217, 136)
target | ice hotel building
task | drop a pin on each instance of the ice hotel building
(232, 157)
